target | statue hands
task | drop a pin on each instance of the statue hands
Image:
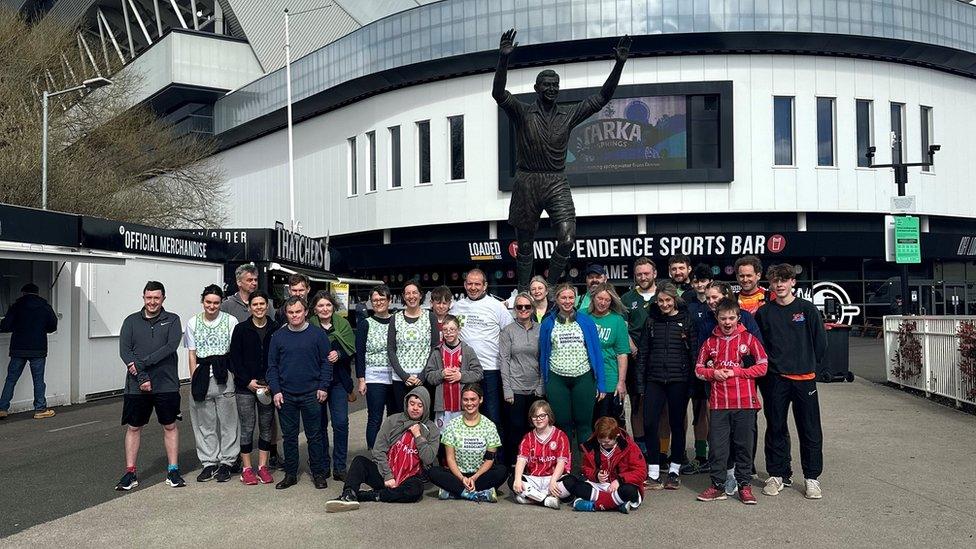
(622, 50)
(507, 44)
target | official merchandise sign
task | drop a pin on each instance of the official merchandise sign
(908, 247)
(116, 236)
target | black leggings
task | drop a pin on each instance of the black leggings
(656, 395)
(364, 470)
(442, 477)
(579, 488)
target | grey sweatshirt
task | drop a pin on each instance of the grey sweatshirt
(393, 428)
(151, 343)
(518, 360)
(433, 373)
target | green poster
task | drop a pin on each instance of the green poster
(908, 246)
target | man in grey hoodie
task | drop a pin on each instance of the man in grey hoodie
(405, 447)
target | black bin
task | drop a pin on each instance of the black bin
(837, 362)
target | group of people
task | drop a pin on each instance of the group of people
(468, 394)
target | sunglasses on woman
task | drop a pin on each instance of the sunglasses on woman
(523, 307)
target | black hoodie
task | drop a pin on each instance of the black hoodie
(248, 353)
(29, 319)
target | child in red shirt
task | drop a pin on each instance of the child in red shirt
(734, 400)
(543, 456)
(613, 471)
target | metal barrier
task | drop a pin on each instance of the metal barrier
(940, 373)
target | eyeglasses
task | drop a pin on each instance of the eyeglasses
(380, 300)
(523, 307)
(540, 416)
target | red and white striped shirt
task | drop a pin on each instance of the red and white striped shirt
(403, 458)
(722, 352)
(541, 455)
(452, 391)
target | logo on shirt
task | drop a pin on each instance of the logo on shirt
(799, 317)
(743, 348)
(552, 445)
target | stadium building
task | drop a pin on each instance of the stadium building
(739, 127)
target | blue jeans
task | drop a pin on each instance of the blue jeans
(491, 384)
(14, 370)
(338, 406)
(378, 396)
(306, 408)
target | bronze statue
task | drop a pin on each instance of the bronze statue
(541, 139)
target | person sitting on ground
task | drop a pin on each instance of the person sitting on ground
(543, 456)
(613, 471)
(471, 442)
(450, 366)
(405, 446)
(733, 401)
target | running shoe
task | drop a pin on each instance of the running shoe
(175, 479)
(44, 414)
(223, 473)
(673, 482)
(486, 496)
(264, 476)
(127, 482)
(731, 485)
(695, 466)
(580, 504)
(712, 493)
(346, 502)
(551, 502)
(208, 473)
(444, 494)
(774, 485)
(813, 489)
(518, 499)
(248, 477)
(653, 483)
(745, 495)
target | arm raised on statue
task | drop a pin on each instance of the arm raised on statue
(505, 48)
(620, 53)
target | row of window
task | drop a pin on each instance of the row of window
(455, 126)
(784, 131)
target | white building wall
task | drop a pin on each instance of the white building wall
(257, 171)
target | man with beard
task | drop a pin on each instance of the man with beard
(637, 303)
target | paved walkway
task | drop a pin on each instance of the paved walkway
(899, 473)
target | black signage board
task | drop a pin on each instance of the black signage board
(18, 224)
(118, 236)
(272, 245)
(243, 245)
(297, 249)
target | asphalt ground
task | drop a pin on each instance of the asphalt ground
(898, 473)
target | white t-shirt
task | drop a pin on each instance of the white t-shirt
(481, 323)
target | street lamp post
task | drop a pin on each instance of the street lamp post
(90, 84)
(291, 141)
(901, 180)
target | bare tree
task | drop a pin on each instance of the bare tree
(106, 157)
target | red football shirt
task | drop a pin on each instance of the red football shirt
(542, 455)
(403, 457)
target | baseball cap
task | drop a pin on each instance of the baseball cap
(595, 268)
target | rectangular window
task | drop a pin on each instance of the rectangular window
(395, 157)
(456, 124)
(783, 131)
(353, 182)
(927, 131)
(865, 130)
(897, 133)
(371, 141)
(825, 131)
(423, 151)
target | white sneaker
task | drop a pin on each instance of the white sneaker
(521, 499)
(551, 502)
(774, 485)
(813, 490)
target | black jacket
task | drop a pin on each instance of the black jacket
(249, 353)
(666, 349)
(29, 319)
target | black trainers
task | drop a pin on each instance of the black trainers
(128, 482)
(208, 473)
(174, 479)
(223, 473)
(695, 466)
(274, 462)
(339, 475)
(320, 481)
(367, 495)
(673, 482)
(787, 482)
(346, 502)
(238, 466)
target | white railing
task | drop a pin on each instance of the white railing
(940, 373)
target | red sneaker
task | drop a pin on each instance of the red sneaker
(248, 477)
(712, 493)
(745, 495)
(265, 476)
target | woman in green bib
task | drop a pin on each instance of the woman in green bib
(342, 341)
(413, 333)
(608, 314)
(572, 365)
